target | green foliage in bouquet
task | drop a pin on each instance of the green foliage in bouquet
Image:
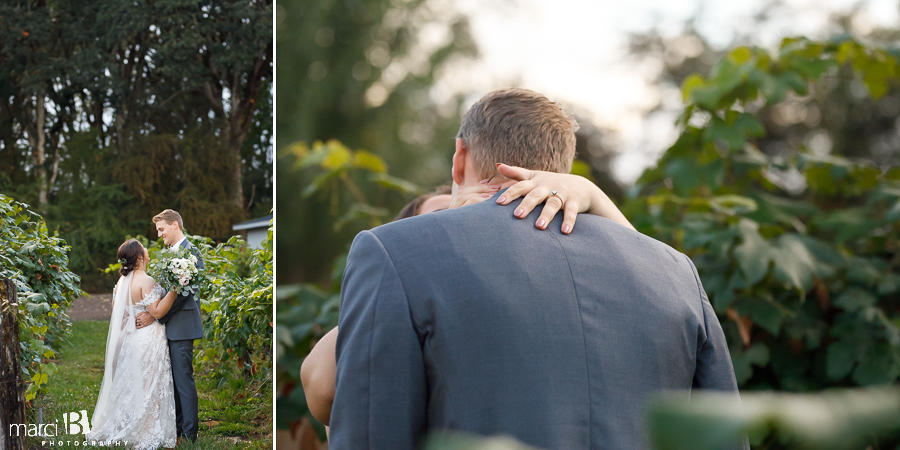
(39, 265)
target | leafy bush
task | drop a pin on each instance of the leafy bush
(237, 305)
(797, 251)
(39, 265)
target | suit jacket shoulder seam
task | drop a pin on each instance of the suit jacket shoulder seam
(700, 295)
(583, 337)
(390, 259)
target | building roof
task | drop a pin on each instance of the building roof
(262, 222)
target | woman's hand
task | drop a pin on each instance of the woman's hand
(574, 194)
(475, 194)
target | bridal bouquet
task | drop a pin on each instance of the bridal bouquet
(175, 269)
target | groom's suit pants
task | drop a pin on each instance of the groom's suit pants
(182, 355)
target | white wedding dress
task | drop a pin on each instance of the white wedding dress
(137, 396)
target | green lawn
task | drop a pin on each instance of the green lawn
(233, 414)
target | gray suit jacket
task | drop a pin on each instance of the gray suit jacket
(472, 320)
(183, 320)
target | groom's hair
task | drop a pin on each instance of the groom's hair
(170, 216)
(520, 128)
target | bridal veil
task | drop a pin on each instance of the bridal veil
(120, 321)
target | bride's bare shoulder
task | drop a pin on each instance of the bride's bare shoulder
(143, 280)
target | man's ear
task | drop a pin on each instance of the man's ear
(459, 162)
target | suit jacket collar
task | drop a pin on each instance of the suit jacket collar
(181, 243)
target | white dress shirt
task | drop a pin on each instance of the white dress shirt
(178, 244)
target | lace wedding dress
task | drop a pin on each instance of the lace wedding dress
(137, 397)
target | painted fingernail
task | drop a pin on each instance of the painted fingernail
(484, 181)
(485, 195)
(540, 223)
(519, 212)
(494, 186)
(501, 199)
(565, 229)
(497, 164)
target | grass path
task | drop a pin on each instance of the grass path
(232, 414)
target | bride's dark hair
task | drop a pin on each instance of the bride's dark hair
(128, 255)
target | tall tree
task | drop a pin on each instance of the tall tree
(112, 111)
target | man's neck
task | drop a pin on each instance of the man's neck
(179, 241)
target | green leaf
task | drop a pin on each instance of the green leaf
(889, 284)
(396, 184)
(893, 214)
(793, 80)
(740, 55)
(795, 264)
(855, 299)
(744, 360)
(370, 162)
(766, 313)
(811, 68)
(754, 253)
(878, 366)
(319, 181)
(733, 204)
(337, 157)
(841, 356)
(690, 83)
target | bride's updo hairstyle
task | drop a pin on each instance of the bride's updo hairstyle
(128, 255)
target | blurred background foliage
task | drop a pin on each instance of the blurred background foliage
(363, 72)
(112, 112)
(782, 185)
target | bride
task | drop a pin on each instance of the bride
(136, 405)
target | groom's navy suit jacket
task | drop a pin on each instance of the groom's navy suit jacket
(183, 321)
(473, 320)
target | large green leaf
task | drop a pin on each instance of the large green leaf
(854, 299)
(754, 253)
(841, 359)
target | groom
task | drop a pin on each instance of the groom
(183, 325)
(472, 320)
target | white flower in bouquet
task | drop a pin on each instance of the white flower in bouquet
(176, 269)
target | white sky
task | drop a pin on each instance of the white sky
(574, 51)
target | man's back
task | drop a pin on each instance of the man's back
(473, 320)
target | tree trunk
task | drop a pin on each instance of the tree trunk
(37, 137)
(12, 392)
